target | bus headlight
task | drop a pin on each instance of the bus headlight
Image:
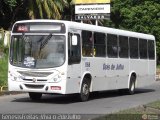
(12, 77)
(57, 78)
(15, 77)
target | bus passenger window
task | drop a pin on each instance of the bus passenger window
(133, 43)
(99, 45)
(151, 49)
(143, 48)
(112, 46)
(123, 45)
(87, 43)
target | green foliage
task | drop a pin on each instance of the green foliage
(155, 105)
(50, 9)
(3, 64)
(14, 10)
(138, 15)
(3, 70)
(11, 3)
(3, 49)
(10, 11)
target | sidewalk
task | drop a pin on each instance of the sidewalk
(4, 91)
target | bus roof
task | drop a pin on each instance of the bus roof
(94, 28)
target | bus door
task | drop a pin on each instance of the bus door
(74, 60)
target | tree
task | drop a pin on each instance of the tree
(50, 9)
(6, 8)
(138, 15)
(10, 11)
(68, 13)
(14, 10)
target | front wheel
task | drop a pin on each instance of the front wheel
(35, 96)
(85, 91)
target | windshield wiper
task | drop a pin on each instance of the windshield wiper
(45, 41)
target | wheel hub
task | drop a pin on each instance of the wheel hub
(85, 89)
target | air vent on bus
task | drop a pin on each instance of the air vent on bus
(34, 86)
(39, 80)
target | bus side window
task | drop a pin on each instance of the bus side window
(74, 51)
(143, 48)
(151, 50)
(112, 46)
(99, 44)
(133, 44)
(87, 43)
(124, 47)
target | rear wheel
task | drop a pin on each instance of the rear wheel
(85, 90)
(35, 96)
(131, 89)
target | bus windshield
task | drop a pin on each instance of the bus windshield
(37, 51)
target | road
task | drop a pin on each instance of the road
(103, 103)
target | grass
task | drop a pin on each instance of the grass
(155, 105)
(145, 112)
(158, 66)
(3, 70)
(120, 117)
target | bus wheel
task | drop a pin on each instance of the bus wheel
(85, 90)
(131, 89)
(35, 96)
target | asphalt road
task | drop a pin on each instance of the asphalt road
(103, 103)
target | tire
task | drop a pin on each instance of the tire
(85, 90)
(131, 89)
(35, 96)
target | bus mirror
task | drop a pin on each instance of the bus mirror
(74, 40)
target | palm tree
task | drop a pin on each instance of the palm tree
(68, 13)
(50, 9)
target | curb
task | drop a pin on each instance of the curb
(4, 91)
(3, 88)
(10, 93)
(158, 77)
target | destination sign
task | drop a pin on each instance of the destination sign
(90, 9)
(92, 17)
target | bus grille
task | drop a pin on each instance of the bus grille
(39, 80)
(34, 86)
(35, 74)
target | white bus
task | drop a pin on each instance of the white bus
(63, 57)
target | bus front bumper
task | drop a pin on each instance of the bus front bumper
(36, 87)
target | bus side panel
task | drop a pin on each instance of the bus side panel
(12, 85)
(117, 74)
(143, 74)
(122, 71)
(152, 71)
(107, 73)
(94, 65)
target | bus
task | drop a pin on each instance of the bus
(65, 57)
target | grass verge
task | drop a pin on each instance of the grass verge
(145, 112)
